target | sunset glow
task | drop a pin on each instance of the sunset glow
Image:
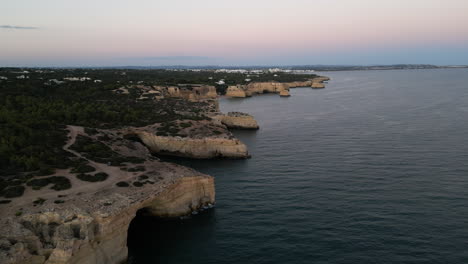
(233, 32)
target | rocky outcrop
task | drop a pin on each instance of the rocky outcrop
(266, 87)
(190, 92)
(273, 87)
(197, 148)
(183, 197)
(317, 85)
(284, 93)
(197, 92)
(321, 79)
(92, 228)
(88, 223)
(300, 84)
(236, 91)
(238, 120)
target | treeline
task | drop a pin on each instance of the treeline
(155, 76)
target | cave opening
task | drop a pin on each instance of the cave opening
(161, 240)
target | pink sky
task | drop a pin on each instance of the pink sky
(227, 31)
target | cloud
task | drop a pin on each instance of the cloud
(16, 27)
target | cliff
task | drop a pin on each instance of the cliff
(192, 92)
(94, 228)
(236, 91)
(284, 93)
(197, 148)
(237, 120)
(89, 222)
(273, 87)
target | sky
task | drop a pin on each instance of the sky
(228, 32)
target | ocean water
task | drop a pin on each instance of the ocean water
(372, 169)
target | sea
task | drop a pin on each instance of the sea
(371, 169)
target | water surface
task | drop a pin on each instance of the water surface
(372, 169)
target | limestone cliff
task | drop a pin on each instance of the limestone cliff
(198, 148)
(266, 87)
(317, 85)
(94, 228)
(236, 91)
(237, 120)
(273, 87)
(284, 93)
(88, 223)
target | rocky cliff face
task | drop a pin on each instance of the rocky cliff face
(237, 120)
(273, 87)
(266, 87)
(189, 92)
(236, 91)
(88, 222)
(94, 228)
(284, 93)
(197, 148)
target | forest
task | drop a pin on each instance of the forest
(37, 104)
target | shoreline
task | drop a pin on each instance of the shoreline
(88, 223)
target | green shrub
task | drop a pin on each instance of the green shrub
(45, 171)
(138, 184)
(59, 183)
(185, 125)
(12, 192)
(98, 177)
(39, 201)
(143, 177)
(83, 168)
(137, 168)
(122, 184)
(90, 131)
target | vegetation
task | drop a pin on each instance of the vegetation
(12, 192)
(135, 169)
(83, 168)
(35, 111)
(98, 177)
(34, 115)
(39, 201)
(122, 184)
(100, 152)
(59, 183)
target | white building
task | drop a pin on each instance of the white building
(76, 79)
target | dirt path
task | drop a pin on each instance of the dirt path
(78, 186)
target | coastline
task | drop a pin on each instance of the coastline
(89, 223)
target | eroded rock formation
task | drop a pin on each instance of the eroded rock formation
(89, 222)
(236, 91)
(284, 93)
(273, 87)
(197, 148)
(238, 120)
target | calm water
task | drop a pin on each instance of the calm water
(372, 169)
